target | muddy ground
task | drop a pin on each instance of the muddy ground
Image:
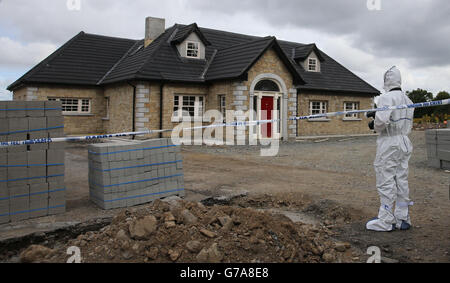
(327, 183)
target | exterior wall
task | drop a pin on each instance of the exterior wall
(120, 109)
(77, 123)
(335, 125)
(271, 65)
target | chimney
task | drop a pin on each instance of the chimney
(154, 27)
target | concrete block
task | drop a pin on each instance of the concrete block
(445, 165)
(443, 155)
(38, 157)
(57, 179)
(53, 108)
(3, 109)
(19, 203)
(4, 204)
(55, 170)
(17, 137)
(55, 156)
(37, 175)
(35, 108)
(18, 159)
(57, 198)
(17, 176)
(37, 123)
(38, 200)
(434, 163)
(16, 109)
(38, 135)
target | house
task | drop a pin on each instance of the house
(110, 85)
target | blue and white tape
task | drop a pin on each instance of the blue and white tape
(233, 124)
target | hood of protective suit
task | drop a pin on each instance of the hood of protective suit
(392, 79)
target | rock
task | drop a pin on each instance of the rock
(127, 255)
(174, 255)
(194, 246)
(341, 247)
(388, 260)
(168, 217)
(224, 220)
(122, 235)
(208, 233)
(35, 253)
(328, 257)
(152, 253)
(170, 224)
(188, 217)
(211, 255)
(143, 228)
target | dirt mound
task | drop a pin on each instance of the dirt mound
(181, 231)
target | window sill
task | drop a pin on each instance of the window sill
(105, 119)
(180, 120)
(77, 114)
(352, 119)
(319, 120)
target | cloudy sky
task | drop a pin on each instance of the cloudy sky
(366, 36)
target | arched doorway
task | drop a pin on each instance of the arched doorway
(267, 105)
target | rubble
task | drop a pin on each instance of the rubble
(190, 232)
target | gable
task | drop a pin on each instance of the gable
(270, 63)
(305, 64)
(193, 37)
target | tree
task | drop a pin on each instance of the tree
(420, 95)
(440, 111)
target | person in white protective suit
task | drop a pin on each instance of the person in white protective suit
(393, 153)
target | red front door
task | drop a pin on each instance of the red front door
(266, 114)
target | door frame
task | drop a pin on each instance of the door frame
(276, 131)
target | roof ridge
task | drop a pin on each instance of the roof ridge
(110, 37)
(246, 43)
(46, 60)
(118, 62)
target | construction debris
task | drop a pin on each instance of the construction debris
(219, 234)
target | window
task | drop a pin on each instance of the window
(318, 107)
(267, 85)
(222, 106)
(107, 108)
(188, 103)
(74, 105)
(312, 65)
(351, 106)
(192, 49)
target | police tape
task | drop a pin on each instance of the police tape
(221, 125)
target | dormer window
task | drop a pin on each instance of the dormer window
(192, 49)
(312, 65)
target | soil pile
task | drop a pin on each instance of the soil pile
(180, 231)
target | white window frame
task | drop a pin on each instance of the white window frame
(79, 105)
(107, 101)
(199, 106)
(189, 49)
(354, 106)
(323, 109)
(312, 62)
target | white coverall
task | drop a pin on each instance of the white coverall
(393, 153)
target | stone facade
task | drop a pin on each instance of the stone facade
(336, 125)
(112, 105)
(75, 124)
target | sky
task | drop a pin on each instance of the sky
(366, 36)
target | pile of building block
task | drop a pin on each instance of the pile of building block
(438, 148)
(31, 176)
(125, 173)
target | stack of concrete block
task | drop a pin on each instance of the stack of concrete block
(125, 173)
(31, 176)
(438, 148)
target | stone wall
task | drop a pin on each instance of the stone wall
(120, 109)
(335, 125)
(75, 124)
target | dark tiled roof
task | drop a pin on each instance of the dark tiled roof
(83, 60)
(97, 60)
